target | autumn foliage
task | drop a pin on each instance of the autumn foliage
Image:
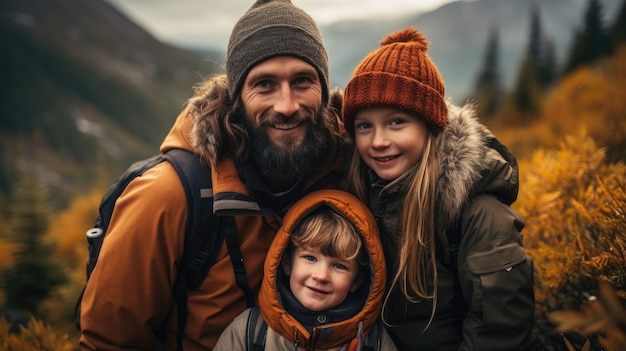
(572, 198)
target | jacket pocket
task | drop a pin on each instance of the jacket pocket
(499, 259)
(504, 290)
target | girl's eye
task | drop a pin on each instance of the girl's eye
(397, 121)
(309, 258)
(362, 126)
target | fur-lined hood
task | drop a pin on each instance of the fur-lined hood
(473, 161)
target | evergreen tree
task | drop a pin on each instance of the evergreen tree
(547, 69)
(526, 92)
(34, 274)
(535, 42)
(618, 30)
(488, 82)
(592, 41)
(528, 85)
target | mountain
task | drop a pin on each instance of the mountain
(458, 35)
(85, 91)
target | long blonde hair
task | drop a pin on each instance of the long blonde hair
(416, 265)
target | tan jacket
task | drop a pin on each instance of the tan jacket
(284, 330)
(129, 294)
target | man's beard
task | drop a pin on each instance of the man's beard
(281, 165)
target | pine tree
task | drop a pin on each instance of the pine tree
(535, 42)
(592, 41)
(526, 92)
(618, 30)
(488, 82)
(34, 274)
(547, 67)
(528, 85)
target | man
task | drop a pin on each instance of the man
(268, 133)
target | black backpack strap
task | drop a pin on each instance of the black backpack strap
(202, 231)
(373, 339)
(236, 258)
(255, 342)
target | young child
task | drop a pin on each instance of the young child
(430, 172)
(324, 280)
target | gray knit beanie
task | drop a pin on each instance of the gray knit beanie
(274, 28)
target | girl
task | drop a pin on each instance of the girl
(438, 182)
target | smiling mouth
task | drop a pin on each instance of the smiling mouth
(285, 126)
(318, 291)
(384, 159)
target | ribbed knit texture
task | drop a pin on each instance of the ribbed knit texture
(399, 74)
(274, 28)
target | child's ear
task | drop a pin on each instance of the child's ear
(286, 263)
(356, 284)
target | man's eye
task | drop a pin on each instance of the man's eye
(302, 80)
(264, 84)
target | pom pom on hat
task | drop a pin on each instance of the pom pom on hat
(399, 74)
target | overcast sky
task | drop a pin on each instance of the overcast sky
(209, 22)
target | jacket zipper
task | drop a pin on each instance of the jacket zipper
(296, 342)
(314, 337)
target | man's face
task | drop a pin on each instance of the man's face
(281, 96)
(282, 99)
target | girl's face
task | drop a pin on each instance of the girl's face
(320, 282)
(390, 141)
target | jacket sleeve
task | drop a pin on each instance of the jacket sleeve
(496, 276)
(234, 337)
(129, 294)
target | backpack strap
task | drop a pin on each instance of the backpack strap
(373, 339)
(236, 258)
(200, 249)
(255, 339)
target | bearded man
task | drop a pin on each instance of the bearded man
(270, 137)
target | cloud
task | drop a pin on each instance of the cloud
(194, 23)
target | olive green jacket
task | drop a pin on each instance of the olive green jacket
(478, 182)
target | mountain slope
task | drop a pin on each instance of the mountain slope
(458, 34)
(85, 90)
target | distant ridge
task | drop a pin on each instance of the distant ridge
(458, 34)
(85, 90)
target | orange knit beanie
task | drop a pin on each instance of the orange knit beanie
(398, 74)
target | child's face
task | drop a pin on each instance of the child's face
(389, 141)
(320, 282)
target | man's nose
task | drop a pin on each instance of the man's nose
(286, 103)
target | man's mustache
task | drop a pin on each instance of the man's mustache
(271, 119)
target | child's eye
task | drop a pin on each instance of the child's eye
(340, 266)
(309, 258)
(396, 122)
(362, 126)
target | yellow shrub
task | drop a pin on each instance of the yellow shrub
(574, 204)
(37, 336)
